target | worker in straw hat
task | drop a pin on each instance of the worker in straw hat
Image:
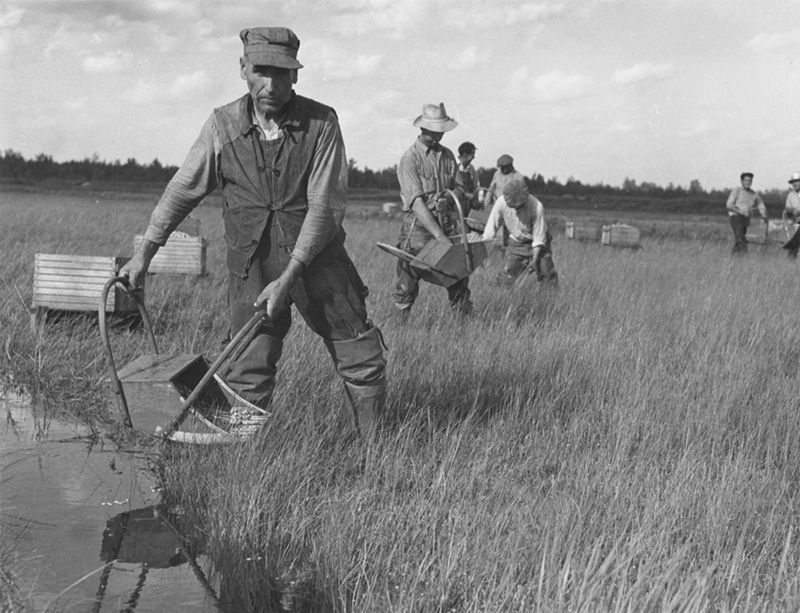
(741, 203)
(528, 250)
(426, 170)
(791, 214)
(280, 160)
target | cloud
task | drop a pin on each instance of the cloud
(771, 42)
(102, 64)
(186, 84)
(11, 17)
(554, 86)
(336, 63)
(644, 71)
(469, 58)
(359, 17)
(488, 14)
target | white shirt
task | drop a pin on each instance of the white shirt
(524, 225)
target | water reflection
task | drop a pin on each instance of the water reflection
(84, 523)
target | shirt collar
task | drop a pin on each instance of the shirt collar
(291, 119)
(424, 149)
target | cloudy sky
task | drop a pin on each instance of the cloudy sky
(656, 90)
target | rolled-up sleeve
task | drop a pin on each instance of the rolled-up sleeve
(195, 179)
(494, 221)
(409, 177)
(539, 226)
(327, 193)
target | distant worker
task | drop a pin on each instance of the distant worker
(741, 202)
(504, 174)
(528, 250)
(426, 170)
(791, 214)
(280, 160)
(468, 177)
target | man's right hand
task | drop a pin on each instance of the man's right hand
(135, 270)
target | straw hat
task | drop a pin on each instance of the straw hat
(435, 119)
(795, 177)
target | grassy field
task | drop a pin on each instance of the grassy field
(629, 442)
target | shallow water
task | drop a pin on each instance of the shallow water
(83, 522)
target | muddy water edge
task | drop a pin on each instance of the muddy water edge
(82, 527)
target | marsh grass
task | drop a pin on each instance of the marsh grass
(628, 442)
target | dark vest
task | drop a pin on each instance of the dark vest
(251, 200)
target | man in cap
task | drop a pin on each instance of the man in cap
(504, 174)
(468, 176)
(426, 170)
(791, 214)
(528, 249)
(741, 202)
(281, 162)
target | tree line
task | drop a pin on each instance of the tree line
(14, 166)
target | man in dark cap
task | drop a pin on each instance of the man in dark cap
(741, 202)
(504, 174)
(468, 176)
(426, 170)
(281, 162)
(528, 250)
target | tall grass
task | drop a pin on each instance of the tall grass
(628, 442)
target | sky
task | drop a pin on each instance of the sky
(661, 91)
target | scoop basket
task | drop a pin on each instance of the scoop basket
(180, 397)
(445, 263)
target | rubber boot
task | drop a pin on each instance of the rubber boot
(361, 363)
(368, 403)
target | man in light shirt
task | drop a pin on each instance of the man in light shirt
(504, 175)
(741, 202)
(791, 213)
(528, 249)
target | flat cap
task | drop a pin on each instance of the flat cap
(516, 193)
(505, 160)
(271, 47)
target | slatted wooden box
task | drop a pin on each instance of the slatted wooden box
(74, 283)
(583, 230)
(620, 235)
(759, 232)
(182, 254)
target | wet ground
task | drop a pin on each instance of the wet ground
(83, 523)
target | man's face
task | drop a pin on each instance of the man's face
(466, 158)
(795, 185)
(747, 182)
(270, 87)
(507, 169)
(431, 139)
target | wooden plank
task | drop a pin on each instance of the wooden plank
(620, 235)
(180, 255)
(75, 282)
(583, 230)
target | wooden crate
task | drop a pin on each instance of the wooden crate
(75, 283)
(182, 254)
(583, 231)
(620, 235)
(759, 232)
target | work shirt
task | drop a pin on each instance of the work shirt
(499, 181)
(302, 188)
(525, 225)
(742, 201)
(793, 205)
(468, 177)
(426, 171)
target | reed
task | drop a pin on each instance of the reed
(627, 442)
